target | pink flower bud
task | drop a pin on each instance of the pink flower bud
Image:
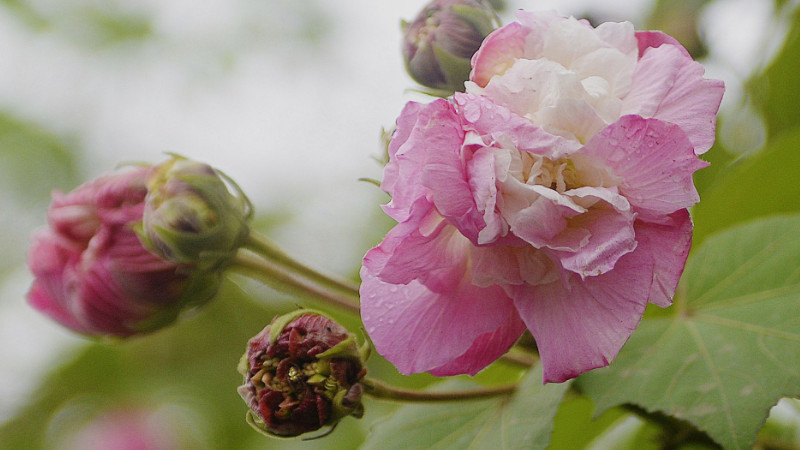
(94, 276)
(438, 44)
(301, 373)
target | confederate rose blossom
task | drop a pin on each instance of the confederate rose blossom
(551, 196)
(301, 373)
(92, 273)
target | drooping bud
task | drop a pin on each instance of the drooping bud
(302, 373)
(191, 215)
(439, 43)
(92, 273)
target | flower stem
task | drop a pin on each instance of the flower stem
(383, 391)
(260, 244)
(285, 279)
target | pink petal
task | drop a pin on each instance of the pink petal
(503, 265)
(498, 52)
(485, 350)
(495, 122)
(610, 236)
(424, 248)
(668, 85)
(655, 162)
(667, 246)
(419, 330)
(581, 325)
(432, 126)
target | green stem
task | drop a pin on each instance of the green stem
(383, 391)
(286, 280)
(259, 243)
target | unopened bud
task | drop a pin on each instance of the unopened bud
(93, 274)
(439, 43)
(191, 214)
(302, 373)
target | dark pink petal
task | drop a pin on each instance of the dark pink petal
(655, 162)
(419, 330)
(486, 349)
(654, 39)
(420, 129)
(580, 325)
(668, 85)
(668, 246)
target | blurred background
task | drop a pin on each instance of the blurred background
(289, 98)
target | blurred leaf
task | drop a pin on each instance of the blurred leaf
(731, 347)
(192, 363)
(746, 188)
(33, 161)
(776, 91)
(575, 426)
(23, 10)
(679, 20)
(524, 420)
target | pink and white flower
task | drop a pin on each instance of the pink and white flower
(551, 196)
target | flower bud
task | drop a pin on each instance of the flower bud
(301, 373)
(191, 216)
(92, 273)
(439, 43)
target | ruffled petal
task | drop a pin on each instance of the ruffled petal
(609, 235)
(667, 246)
(669, 85)
(424, 248)
(581, 325)
(498, 52)
(420, 128)
(655, 162)
(420, 330)
(497, 123)
(485, 350)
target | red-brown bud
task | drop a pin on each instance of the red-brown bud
(301, 373)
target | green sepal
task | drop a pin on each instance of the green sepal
(455, 69)
(348, 348)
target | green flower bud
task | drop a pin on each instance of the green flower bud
(194, 214)
(438, 45)
(301, 373)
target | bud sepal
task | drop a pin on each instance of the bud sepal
(194, 214)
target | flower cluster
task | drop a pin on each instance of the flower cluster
(551, 196)
(301, 373)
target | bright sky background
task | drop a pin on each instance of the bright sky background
(294, 127)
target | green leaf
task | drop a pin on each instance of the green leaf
(730, 349)
(775, 90)
(759, 186)
(524, 420)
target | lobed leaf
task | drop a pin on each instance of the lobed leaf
(731, 347)
(522, 420)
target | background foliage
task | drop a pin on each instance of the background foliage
(720, 358)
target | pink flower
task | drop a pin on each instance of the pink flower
(92, 274)
(552, 196)
(127, 429)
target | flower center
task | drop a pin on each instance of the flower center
(559, 175)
